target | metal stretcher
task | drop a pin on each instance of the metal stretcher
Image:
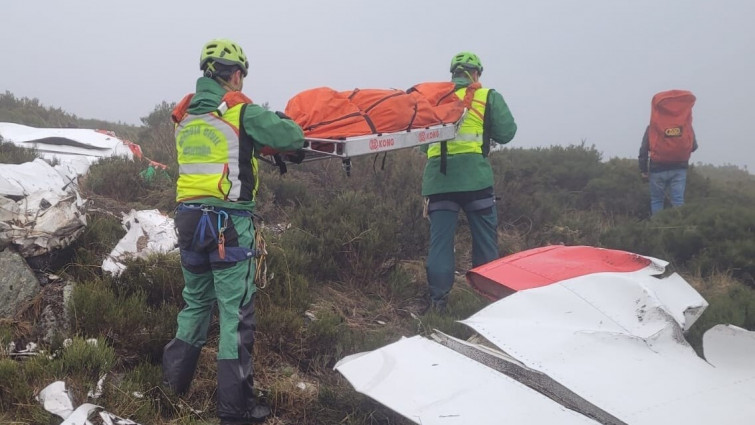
(349, 147)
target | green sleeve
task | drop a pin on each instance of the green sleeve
(268, 129)
(502, 125)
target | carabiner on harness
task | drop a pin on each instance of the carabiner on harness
(222, 225)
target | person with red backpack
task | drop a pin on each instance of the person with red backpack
(458, 176)
(666, 147)
(218, 132)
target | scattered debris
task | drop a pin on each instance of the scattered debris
(148, 232)
(56, 400)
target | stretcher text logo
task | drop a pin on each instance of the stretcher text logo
(428, 135)
(376, 144)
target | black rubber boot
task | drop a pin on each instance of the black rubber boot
(258, 414)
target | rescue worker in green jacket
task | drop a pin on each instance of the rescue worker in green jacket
(458, 176)
(218, 131)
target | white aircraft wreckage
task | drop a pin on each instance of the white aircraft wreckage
(41, 209)
(580, 335)
(76, 146)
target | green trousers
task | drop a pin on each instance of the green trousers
(441, 262)
(223, 278)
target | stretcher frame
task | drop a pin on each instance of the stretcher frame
(369, 144)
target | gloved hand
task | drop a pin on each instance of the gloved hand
(296, 157)
(282, 116)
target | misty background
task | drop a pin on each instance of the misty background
(571, 71)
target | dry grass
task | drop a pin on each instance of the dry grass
(716, 284)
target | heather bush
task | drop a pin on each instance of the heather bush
(156, 137)
(12, 154)
(730, 302)
(119, 179)
(701, 237)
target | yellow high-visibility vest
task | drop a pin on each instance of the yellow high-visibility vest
(212, 162)
(469, 136)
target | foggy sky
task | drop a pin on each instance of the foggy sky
(570, 70)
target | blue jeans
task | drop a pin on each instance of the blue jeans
(671, 181)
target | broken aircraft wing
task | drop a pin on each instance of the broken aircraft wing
(598, 331)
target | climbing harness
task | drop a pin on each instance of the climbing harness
(216, 229)
(206, 223)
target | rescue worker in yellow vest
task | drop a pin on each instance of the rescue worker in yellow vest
(458, 176)
(218, 131)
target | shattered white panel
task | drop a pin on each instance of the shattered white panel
(730, 348)
(148, 232)
(17, 180)
(56, 400)
(83, 413)
(616, 339)
(49, 215)
(433, 385)
(65, 144)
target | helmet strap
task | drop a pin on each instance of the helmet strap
(470, 77)
(209, 71)
(231, 84)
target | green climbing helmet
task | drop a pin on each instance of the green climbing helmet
(223, 51)
(466, 60)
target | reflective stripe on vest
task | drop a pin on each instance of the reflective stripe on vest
(208, 149)
(469, 136)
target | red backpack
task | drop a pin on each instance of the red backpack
(670, 133)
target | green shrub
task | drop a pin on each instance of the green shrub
(138, 393)
(349, 237)
(119, 179)
(159, 277)
(116, 178)
(14, 388)
(736, 306)
(134, 328)
(12, 154)
(156, 137)
(617, 191)
(85, 361)
(705, 237)
(100, 236)
(537, 186)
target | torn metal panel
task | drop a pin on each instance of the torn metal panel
(56, 399)
(431, 384)
(41, 209)
(148, 232)
(616, 339)
(49, 213)
(598, 331)
(730, 348)
(66, 144)
(21, 180)
(542, 266)
(538, 381)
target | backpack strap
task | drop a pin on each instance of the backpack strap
(468, 100)
(180, 110)
(443, 156)
(486, 127)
